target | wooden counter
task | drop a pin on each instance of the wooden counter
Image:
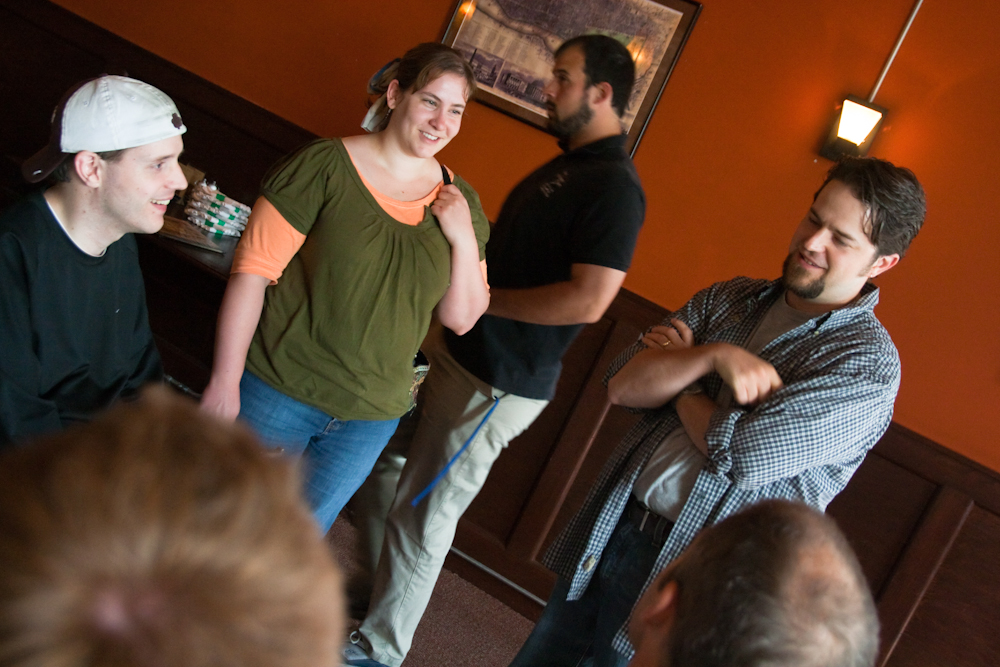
(184, 287)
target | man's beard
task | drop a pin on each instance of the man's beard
(565, 128)
(792, 277)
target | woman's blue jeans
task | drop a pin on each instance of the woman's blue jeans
(337, 455)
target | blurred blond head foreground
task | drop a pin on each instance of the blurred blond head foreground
(158, 536)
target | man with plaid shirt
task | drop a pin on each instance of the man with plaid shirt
(754, 389)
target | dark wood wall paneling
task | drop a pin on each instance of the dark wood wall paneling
(924, 521)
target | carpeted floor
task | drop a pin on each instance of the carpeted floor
(463, 626)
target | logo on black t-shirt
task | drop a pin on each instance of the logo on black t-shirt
(550, 187)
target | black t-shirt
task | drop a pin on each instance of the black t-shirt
(584, 207)
(74, 328)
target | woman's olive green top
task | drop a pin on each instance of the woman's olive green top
(341, 327)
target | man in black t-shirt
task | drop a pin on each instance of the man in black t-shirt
(556, 259)
(73, 308)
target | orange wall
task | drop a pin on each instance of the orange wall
(728, 161)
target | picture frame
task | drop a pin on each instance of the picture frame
(511, 45)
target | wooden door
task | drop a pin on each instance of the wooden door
(543, 477)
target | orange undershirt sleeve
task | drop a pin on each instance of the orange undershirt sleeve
(268, 243)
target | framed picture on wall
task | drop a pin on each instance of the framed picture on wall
(511, 46)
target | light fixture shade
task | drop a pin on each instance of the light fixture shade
(854, 128)
(857, 122)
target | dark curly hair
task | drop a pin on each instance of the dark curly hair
(893, 196)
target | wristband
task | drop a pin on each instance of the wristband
(690, 390)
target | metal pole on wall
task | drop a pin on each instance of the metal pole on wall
(895, 49)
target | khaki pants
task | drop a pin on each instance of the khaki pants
(417, 539)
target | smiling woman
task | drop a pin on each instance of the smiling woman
(368, 235)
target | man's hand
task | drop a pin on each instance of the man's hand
(750, 378)
(677, 337)
(670, 362)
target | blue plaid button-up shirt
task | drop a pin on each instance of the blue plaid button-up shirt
(840, 372)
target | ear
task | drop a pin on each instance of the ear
(883, 264)
(88, 168)
(602, 93)
(393, 94)
(653, 617)
(660, 609)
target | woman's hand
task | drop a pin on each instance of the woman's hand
(467, 296)
(223, 402)
(238, 317)
(454, 216)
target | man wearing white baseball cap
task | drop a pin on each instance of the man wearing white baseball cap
(72, 307)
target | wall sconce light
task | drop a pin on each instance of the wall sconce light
(856, 126)
(854, 129)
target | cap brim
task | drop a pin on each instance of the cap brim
(42, 163)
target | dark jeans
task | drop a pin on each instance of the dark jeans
(579, 633)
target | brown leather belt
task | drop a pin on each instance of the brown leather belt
(648, 522)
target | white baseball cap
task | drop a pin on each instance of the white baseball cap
(108, 113)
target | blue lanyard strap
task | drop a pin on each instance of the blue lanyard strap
(420, 496)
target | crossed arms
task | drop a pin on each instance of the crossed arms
(832, 408)
(671, 361)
